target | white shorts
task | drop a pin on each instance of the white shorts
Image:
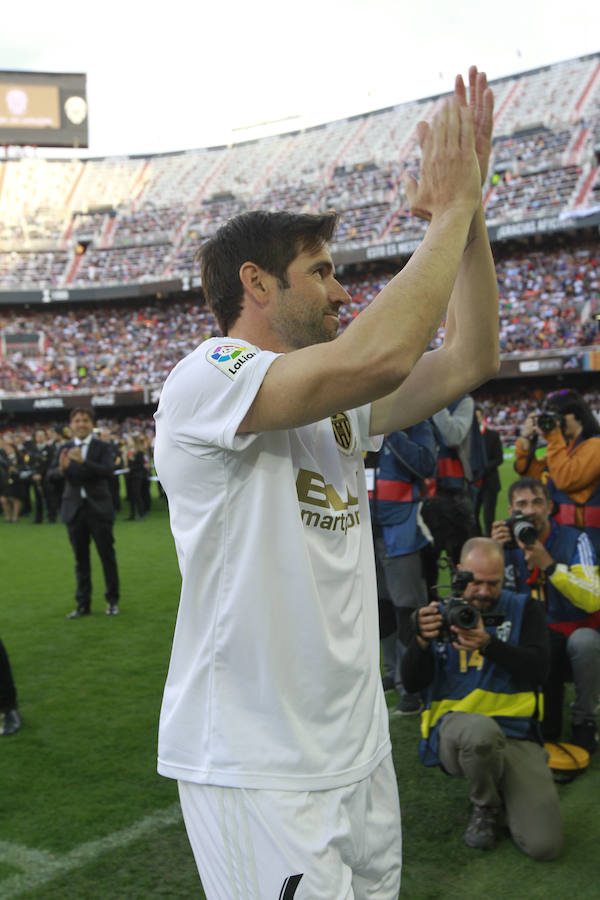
(340, 844)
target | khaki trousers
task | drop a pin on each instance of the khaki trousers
(505, 772)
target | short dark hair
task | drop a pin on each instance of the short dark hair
(84, 410)
(272, 240)
(530, 484)
(568, 401)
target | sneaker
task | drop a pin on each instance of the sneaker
(112, 610)
(388, 683)
(481, 830)
(11, 722)
(585, 735)
(78, 613)
(410, 705)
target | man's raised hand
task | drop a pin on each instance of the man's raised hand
(481, 103)
(450, 175)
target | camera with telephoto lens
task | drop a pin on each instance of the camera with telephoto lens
(456, 611)
(547, 421)
(522, 528)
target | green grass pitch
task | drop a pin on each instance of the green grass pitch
(83, 813)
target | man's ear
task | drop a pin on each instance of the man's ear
(256, 282)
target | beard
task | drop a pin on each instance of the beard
(483, 604)
(299, 324)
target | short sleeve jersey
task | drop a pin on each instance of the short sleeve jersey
(274, 675)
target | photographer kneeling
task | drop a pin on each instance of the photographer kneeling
(480, 688)
(557, 565)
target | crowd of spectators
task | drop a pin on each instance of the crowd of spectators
(542, 164)
(548, 299)
(540, 148)
(151, 243)
(102, 348)
(29, 485)
(158, 223)
(122, 264)
(532, 195)
(132, 439)
(32, 271)
(79, 223)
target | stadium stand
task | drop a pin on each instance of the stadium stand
(547, 300)
(115, 240)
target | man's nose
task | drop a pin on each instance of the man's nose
(339, 294)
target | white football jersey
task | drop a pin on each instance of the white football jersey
(274, 676)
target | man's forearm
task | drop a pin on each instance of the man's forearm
(406, 314)
(472, 322)
(469, 354)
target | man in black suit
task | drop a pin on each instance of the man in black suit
(490, 484)
(87, 509)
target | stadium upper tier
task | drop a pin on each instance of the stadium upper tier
(82, 223)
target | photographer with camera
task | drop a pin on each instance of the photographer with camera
(527, 464)
(480, 685)
(572, 459)
(557, 565)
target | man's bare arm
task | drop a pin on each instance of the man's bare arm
(379, 349)
(469, 355)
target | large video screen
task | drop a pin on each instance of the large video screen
(43, 109)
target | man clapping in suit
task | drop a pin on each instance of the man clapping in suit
(87, 509)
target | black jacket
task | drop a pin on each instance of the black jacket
(93, 475)
(493, 447)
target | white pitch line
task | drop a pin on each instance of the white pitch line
(41, 866)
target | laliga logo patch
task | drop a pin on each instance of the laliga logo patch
(230, 358)
(225, 352)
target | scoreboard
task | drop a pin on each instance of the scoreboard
(43, 109)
